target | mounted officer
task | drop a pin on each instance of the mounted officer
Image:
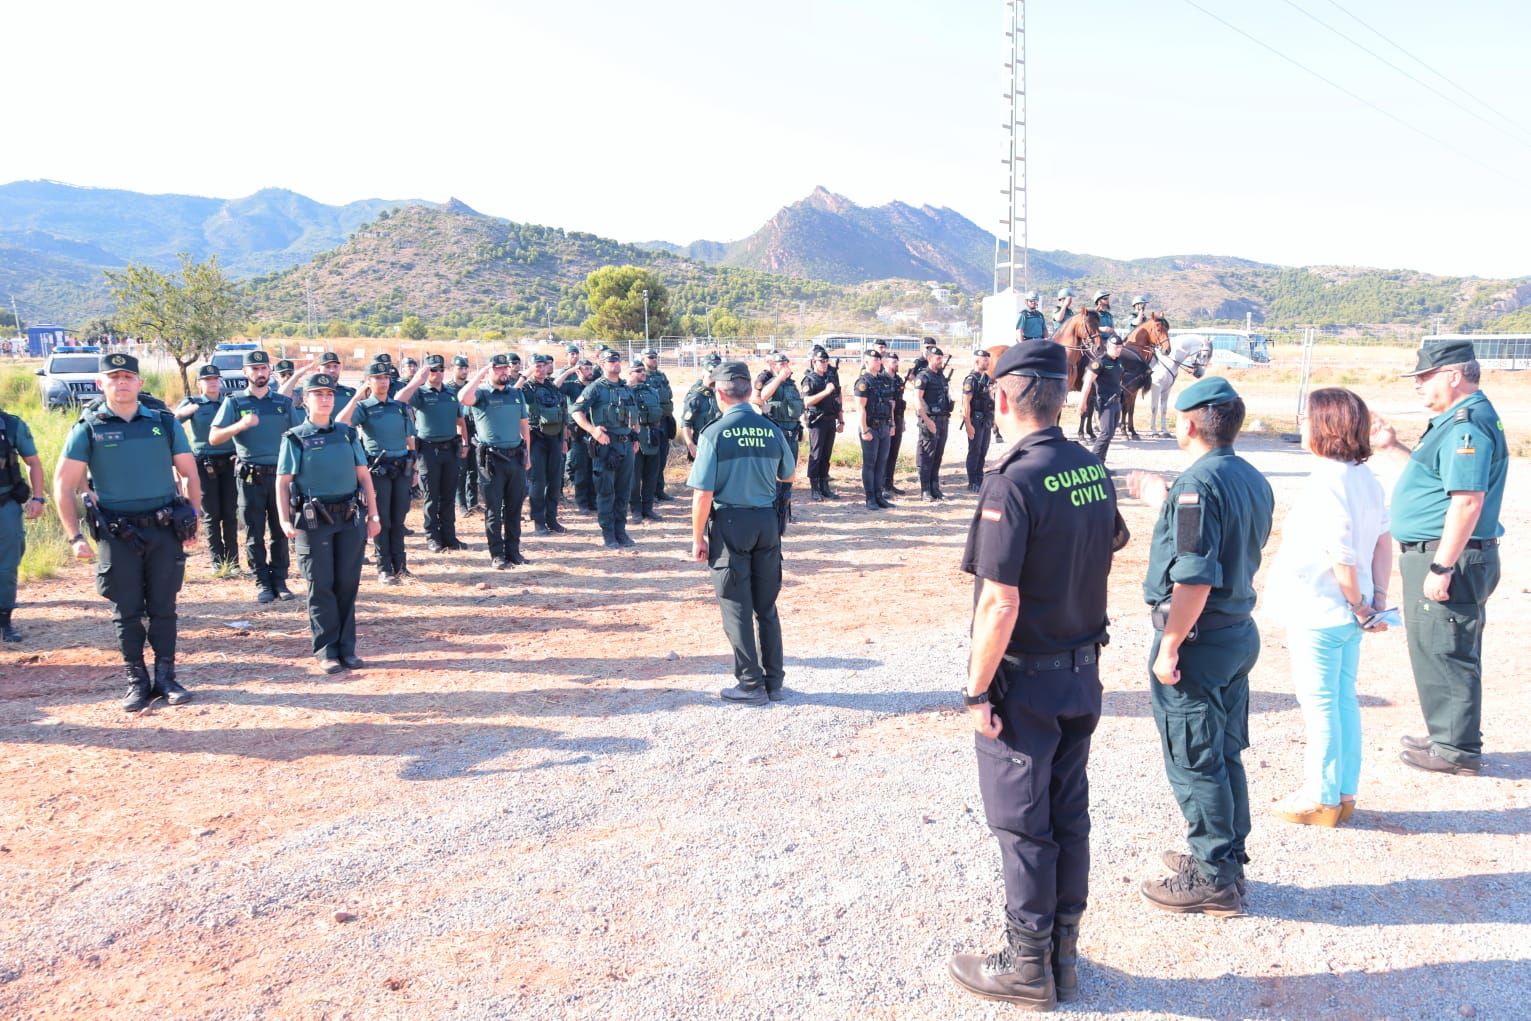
(647, 467)
(549, 434)
(826, 417)
(978, 416)
(934, 407)
(19, 497)
(441, 438)
(1031, 324)
(608, 412)
(387, 431)
(1064, 306)
(667, 426)
(1139, 313)
(215, 467)
(504, 438)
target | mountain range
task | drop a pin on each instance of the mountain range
(823, 260)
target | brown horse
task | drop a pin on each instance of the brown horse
(1144, 341)
(1080, 334)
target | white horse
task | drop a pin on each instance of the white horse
(1188, 351)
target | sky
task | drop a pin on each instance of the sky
(1154, 129)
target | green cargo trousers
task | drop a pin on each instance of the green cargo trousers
(1204, 728)
(1446, 648)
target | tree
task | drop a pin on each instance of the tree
(338, 328)
(615, 297)
(189, 312)
(412, 328)
(99, 331)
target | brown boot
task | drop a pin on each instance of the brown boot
(1020, 972)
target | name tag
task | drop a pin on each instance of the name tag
(110, 435)
(315, 441)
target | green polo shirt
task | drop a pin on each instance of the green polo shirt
(21, 439)
(258, 445)
(322, 462)
(437, 413)
(130, 460)
(385, 426)
(740, 458)
(1210, 531)
(200, 424)
(498, 414)
(1463, 451)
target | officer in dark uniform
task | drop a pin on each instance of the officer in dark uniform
(467, 482)
(1047, 511)
(978, 416)
(647, 467)
(387, 432)
(701, 407)
(141, 525)
(934, 399)
(441, 436)
(667, 426)
(549, 431)
(580, 463)
(329, 510)
(875, 400)
(826, 417)
(1445, 516)
(741, 462)
(894, 383)
(215, 466)
(608, 412)
(255, 419)
(504, 437)
(1105, 383)
(1031, 324)
(778, 397)
(16, 492)
(1214, 521)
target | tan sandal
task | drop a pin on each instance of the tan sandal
(1314, 815)
(1347, 809)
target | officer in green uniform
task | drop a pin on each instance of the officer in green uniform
(650, 432)
(441, 436)
(1031, 324)
(608, 412)
(1139, 313)
(580, 461)
(1046, 512)
(1214, 520)
(504, 434)
(778, 397)
(387, 432)
(1445, 516)
(19, 496)
(1102, 302)
(978, 416)
(876, 429)
(668, 426)
(934, 409)
(255, 419)
(141, 525)
(549, 411)
(701, 407)
(742, 460)
(326, 493)
(467, 484)
(215, 466)
(286, 375)
(1104, 382)
(329, 364)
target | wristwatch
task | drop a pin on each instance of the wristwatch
(374, 517)
(1441, 568)
(43, 501)
(76, 537)
(982, 698)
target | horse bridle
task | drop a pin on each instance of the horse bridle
(1175, 364)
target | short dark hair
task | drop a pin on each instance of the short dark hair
(735, 388)
(1219, 424)
(1034, 398)
(1339, 425)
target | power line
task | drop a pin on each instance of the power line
(1407, 74)
(1482, 102)
(1356, 96)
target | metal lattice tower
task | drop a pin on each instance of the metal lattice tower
(1012, 254)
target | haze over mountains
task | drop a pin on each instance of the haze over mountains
(823, 258)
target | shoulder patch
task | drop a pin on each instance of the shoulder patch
(990, 514)
(1465, 446)
(1188, 498)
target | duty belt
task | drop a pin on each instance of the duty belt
(148, 519)
(1431, 545)
(442, 443)
(1033, 663)
(261, 470)
(1210, 621)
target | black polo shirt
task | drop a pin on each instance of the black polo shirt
(1045, 523)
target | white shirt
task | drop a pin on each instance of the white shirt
(1336, 519)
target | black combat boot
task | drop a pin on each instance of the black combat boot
(814, 492)
(829, 494)
(8, 630)
(165, 683)
(1020, 972)
(140, 689)
(1066, 956)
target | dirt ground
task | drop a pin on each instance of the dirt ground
(468, 671)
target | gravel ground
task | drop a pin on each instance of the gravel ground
(646, 852)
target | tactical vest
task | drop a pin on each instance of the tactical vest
(661, 384)
(979, 388)
(619, 409)
(786, 405)
(879, 409)
(701, 408)
(829, 407)
(551, 407)
(938, 398)
(16, 487)
(1033, 324)
(146, 442)
(326, 461)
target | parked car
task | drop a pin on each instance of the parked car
(229, 360)
(68, 377)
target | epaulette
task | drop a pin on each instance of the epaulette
(1463, 415)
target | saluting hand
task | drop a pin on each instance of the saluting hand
(984, 720)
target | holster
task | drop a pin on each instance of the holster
(215, 464)
(256, 472)
(389, 467)
(182, 518)
(783, 506)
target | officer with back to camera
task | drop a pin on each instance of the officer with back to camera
(977, 416)
(504, 436)
(215, 467)
(255, 419)
(387, 431)
(329, 510)
(1031, 324)
(668, 426)
(742, 461)
(441, 436)
(826, 418)
(1046, 512)
(876, 405)
(934, 407)
(21, 496)
(141, 525)
(549, 432)
(608, 412)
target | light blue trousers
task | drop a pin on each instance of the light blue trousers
(1324, 666)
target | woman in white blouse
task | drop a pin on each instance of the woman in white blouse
(1330, 576)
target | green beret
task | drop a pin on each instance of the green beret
(1438, 353)
(1212, 390)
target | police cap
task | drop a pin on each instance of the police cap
(257, 357)
(320, 381)
(611, 356)
(933, 350)
(1439, 353)
(819, 351)
(284, 365)
(384, 357)
(651, 353)
(328, 358)
(778, 357)
(119, 363)
(1042, 361)
(980, 352)
(435, 362)
(378, 369)
(499, 361)
(513, 358)
(460, 360)
(411, 361)
(572, 349)
(542, 359)
(585, 363)
(713, 360)
(209, 372)
(730, 370)
(1212, 390)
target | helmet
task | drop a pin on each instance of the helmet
(1140, 299)
(1101, 294)
(1033, 296)
(1067, 292)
